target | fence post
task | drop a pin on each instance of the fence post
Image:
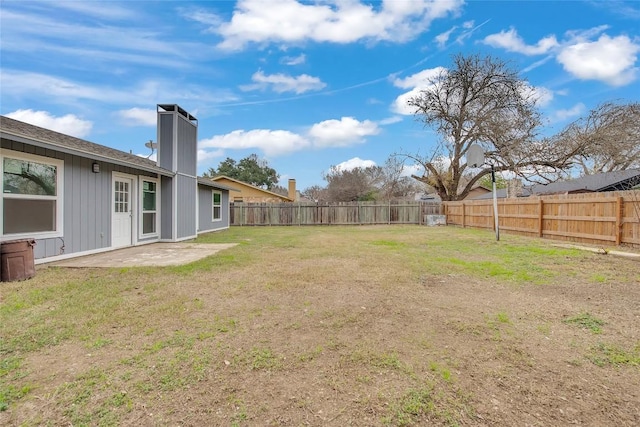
(463, 220)
(540, 217)
(618, 229)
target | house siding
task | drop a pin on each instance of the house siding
(187, 146)
(165, 133)
(186, 199)
(166, 204)
(86, 202)
(205, 210)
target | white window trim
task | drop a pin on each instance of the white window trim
(213, 206)
(141, 180)
(59, 197)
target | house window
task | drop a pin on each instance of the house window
(149, 207)
(217, 205)
(31, 195)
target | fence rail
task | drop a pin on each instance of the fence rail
(611, 218)
(352, 213)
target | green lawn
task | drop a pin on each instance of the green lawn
(370, 325)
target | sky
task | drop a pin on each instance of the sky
(305, 85)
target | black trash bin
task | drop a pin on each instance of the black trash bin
(17, 260)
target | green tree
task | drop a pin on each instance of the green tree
(251, 169)
(486, 182)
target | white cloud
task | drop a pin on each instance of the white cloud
(206, 155)
(271, 142)
(408, 170)
(294, 60)
(390, 120)
(341, 133)
(442, 38)
(354, 163)
(512, 42)
(542, 95)
(609, 59)
(69, 124)
(419, 79)
(416, 82)
(284, 83)
(138, 117)
(468, 25)
(289, 21)
(401, 103)
(329, 133)
(35, 85)
(575, 111)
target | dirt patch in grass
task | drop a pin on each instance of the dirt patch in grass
(362, 326)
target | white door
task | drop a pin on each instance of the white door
(121, 209)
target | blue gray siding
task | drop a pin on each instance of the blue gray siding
(186, 199)
(205, 210)
(86, 202)
(187, 147)
(165, 140)
(166, 203)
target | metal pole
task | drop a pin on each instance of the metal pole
(495, 203)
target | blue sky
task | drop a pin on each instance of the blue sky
(304, 84)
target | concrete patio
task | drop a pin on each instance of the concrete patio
(155, 254)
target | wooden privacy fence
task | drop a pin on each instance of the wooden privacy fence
(351, 213)
(611, 218)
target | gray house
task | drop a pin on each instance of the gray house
(76, 198)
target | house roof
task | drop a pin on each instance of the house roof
(209, 183)
(35, 135)
(501, 193)
(608, 181)
(244, 184)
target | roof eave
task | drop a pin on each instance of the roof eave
(44, 144)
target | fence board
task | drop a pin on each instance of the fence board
(353, 213)
(607, 218)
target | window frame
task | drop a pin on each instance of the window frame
(58, 198)
(141, 233)
(214, 205)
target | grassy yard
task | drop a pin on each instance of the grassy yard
(330, 326)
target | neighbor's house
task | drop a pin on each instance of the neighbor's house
(608, 181)
(76, 198)
(248, 193)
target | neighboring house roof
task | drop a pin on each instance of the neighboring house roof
(244, 184)
(213, 184)
(34, 135)
(501, 193)
(606, 181)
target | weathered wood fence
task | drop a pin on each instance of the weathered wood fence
(611, 218)
(351, 213)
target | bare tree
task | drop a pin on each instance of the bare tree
(396, 184)
(357, 184)
(315, 193)
(480, 100)
(606, 140)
